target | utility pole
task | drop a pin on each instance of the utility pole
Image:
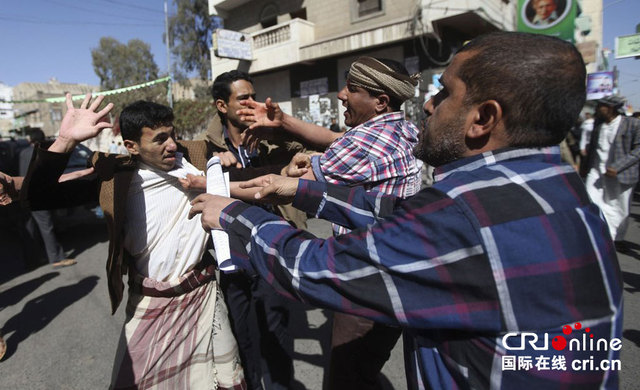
(166, 33)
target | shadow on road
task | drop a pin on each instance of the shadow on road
(40, 311)
(633, 336)
(17, 293)
(74, 240)
(632, 280)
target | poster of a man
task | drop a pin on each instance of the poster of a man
(599, 85)
(545, 13)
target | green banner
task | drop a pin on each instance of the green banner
(106, 93)
(628, 46)
(548, 17)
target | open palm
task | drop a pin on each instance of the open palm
(82, 123)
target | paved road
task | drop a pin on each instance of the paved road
(61, 336)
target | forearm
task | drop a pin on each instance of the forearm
(244, 194)
(62, 145)
(351, 207)
(309, 132)
(380, 272)
(275, 261)
(43, 190)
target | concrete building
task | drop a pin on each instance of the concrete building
(302, 48)
(47, 116)
(181, 92)
(588, 33)
(6, 109)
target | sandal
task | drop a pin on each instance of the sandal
(3, 347)
(64, 263)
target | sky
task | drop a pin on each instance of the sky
(42, 39)
(620, 18)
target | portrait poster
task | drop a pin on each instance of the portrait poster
(599, 85)
(316, 108)
(548, 17)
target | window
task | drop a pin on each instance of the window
(269, 16)
(301, 13)
(56, 114)
(366, 8)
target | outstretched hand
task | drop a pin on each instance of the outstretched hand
(210, 206)
(81, 123)
(267, 114)
(194, 183)
(267, 121)
(272, 188)
(9, 188)
(299, 165)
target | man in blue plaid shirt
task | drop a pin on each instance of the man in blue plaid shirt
(503, 274)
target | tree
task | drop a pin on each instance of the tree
(119, 65)
(192, 117)
(190, 32)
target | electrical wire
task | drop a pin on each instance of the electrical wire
(21, 19)
(100, 12)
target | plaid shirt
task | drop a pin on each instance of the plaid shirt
(503, 242)
(624, 152)
(377, 154)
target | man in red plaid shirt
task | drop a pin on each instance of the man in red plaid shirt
(375, 153)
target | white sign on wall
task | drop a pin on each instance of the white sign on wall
(232, 44)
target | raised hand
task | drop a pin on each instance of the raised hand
(81, 123)
(272, 188)
(267, 114)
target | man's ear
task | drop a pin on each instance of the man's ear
(487, 116)
(382, 102)
(221, 105)
(132, 147)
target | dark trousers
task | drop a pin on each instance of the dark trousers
(41, 221)
(359, 350)
(259, 318)
(30, 247)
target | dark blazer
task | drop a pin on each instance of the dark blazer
(624, 153)
(109, 185)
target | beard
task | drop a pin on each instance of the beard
(439, 145)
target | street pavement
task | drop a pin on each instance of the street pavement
(61, 335)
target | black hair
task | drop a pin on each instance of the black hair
(141, 114)
(538, 80)
(221, 87)
(36, 135)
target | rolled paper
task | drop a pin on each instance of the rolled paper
(218, 184)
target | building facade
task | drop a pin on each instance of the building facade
(33, 112)
(588, 34)
(6, 109)
(301, 49)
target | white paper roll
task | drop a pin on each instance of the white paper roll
(218, 184)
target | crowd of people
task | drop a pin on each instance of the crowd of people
(508, 240)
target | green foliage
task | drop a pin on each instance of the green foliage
(119, 65)
(156, 93)
(190, 32)
(192, 117)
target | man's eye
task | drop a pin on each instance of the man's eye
(440, 96)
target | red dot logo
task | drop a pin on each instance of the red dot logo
(578, 325)
(566, 329)
(559, 343)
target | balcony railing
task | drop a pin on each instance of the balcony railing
(271, 36)
(273, 47)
